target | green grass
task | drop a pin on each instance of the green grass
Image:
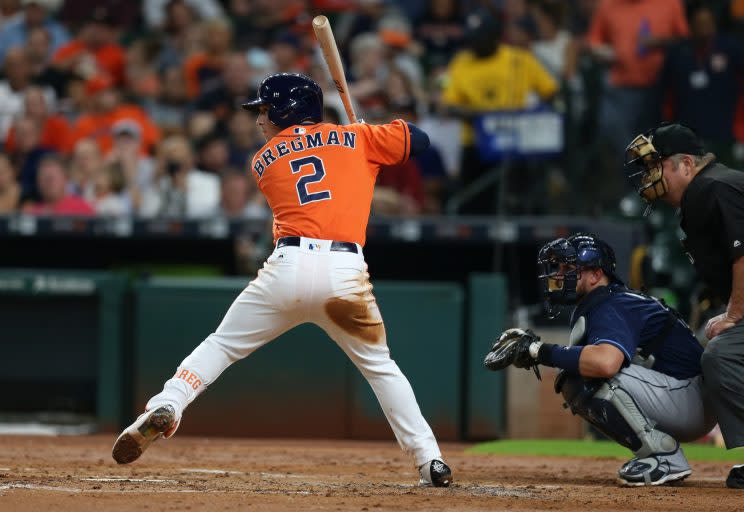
(577, 448)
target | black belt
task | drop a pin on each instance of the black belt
(294, 241)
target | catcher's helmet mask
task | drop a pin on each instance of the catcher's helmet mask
(560, 263)
(292, 98)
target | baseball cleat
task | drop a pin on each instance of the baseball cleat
(735, 478)
(149, 427)
(654, 470)
(435, 473)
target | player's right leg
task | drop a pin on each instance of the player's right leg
(262, 312)
(398, 403)
(352, 319)
(674, 407)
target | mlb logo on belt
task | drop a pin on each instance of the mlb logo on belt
(313, 247)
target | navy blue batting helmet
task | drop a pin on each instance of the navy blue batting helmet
(560, 261)
(292, 99)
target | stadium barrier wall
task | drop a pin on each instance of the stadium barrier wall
(485, 397)
(63, 345)
(119, 339)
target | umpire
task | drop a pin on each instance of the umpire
(670, 163)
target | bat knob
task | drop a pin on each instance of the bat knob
(319, 21)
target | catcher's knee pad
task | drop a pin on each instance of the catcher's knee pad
(612, 411)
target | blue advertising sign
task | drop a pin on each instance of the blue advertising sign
(519, 134)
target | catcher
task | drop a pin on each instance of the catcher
(632, 366)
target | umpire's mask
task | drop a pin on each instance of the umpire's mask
(644, 156)
(643, 165)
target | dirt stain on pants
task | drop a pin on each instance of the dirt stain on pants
(357, 315)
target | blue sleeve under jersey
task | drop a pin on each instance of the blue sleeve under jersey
(419, 139)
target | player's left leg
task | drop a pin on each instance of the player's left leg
(263, 311)
(352, 319)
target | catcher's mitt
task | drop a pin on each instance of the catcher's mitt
(513, 348)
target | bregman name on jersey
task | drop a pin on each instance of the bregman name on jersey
(302, 143)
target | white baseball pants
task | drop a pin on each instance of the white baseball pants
(331, 289)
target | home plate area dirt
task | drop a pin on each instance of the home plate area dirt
(189, 473)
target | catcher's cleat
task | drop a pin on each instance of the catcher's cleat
(735, 478)
(435, 473)
(655, 470)
(149, 427)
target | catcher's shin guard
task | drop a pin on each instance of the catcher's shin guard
(612, 411)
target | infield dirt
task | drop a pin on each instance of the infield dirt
(187, 473)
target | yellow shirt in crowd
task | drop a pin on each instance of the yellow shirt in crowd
(502, 81)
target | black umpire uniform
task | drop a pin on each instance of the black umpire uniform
(712, 219)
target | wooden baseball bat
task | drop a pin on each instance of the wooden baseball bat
(323, 32)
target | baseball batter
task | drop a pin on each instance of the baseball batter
(318, 179)
(632, 368)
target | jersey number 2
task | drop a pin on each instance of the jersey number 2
(305, 196)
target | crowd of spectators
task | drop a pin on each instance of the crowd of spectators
(124, 108)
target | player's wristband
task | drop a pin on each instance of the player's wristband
(535, 349)
(559, 356)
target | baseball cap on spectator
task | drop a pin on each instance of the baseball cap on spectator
(394, 31)
(126, 127)
(98, 83)
(674, 138)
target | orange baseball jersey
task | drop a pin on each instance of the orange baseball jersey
(318, 179)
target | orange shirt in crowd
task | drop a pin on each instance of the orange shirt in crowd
(99, 127)
(318, 179)
(623, 24)
(55, 134)
(110, 58)
(197, 68)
